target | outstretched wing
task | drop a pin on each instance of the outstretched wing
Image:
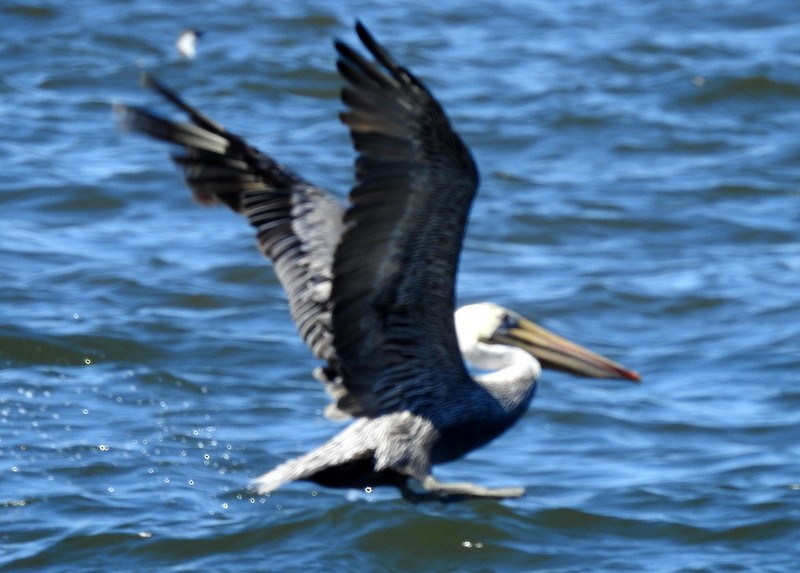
(297, 225)
(394, 270)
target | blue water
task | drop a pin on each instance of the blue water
(640, 194)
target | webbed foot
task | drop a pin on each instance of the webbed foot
(434, 490)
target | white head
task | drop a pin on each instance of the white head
(491, 337)
(476, 327)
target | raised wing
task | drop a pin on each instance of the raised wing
(297, 225)
(394, 270)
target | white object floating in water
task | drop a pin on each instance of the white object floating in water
(187, 43)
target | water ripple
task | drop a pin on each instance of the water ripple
(640, 192)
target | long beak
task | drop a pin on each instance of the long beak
(553, 351)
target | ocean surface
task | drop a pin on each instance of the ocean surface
(640, 195)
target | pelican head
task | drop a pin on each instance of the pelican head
(485, 329)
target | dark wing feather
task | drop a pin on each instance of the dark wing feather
(394, 270)
(297, 225)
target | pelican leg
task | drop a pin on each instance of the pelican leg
(455, 491)
(468, 490)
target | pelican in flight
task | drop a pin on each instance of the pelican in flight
(371, 285)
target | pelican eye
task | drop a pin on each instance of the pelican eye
(508, 321)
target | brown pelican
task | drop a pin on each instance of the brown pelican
(371, 286)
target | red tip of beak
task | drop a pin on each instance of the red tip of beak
(631, 375)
